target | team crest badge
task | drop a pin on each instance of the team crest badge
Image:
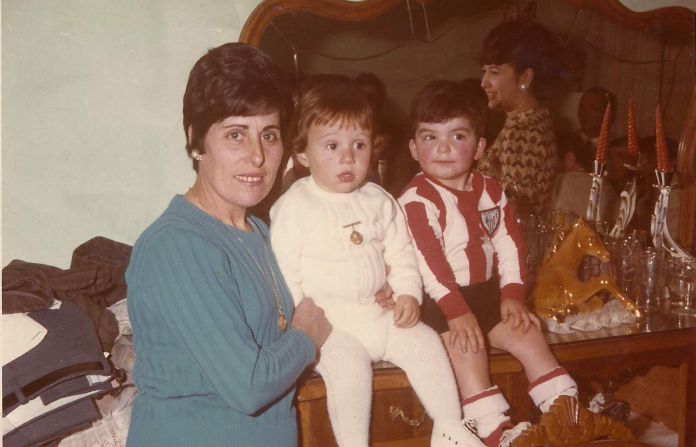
(490, 219)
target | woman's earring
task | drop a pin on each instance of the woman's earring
(523, 86)
(196, 155)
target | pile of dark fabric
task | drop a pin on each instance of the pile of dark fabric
(54, 362)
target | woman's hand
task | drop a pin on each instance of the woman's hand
(384, 298)
(406, 311)
(466, 331)
(517, 314)
(309, 318)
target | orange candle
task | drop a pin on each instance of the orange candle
(603, 143)
(632, 151)
(663, 164)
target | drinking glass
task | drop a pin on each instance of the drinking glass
(674, 270)
(627, 260)
(686, 285)
(648, 295)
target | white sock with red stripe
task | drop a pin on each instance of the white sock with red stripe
(548, 387)
(487, 410)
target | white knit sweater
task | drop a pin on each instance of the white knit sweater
(312, 243)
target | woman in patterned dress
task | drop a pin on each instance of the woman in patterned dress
(518, 59)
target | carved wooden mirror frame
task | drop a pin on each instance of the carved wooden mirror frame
(672, 22)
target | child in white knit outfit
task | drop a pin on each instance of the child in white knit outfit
(339, 240)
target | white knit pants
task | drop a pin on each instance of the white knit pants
(345, 364)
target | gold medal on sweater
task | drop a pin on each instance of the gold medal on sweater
(282, 322)
(355, 236)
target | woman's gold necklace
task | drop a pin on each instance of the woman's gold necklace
(282, 321)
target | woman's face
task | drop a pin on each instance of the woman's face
(240, 159)
(503, 85)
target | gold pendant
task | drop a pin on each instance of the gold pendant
(282, 322)
(356, 237)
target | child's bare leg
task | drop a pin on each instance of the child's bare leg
(530, 348)
(470, 368)
(483, 404)
(346, 368)
(547, 379)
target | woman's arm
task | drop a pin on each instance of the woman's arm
(190, 282)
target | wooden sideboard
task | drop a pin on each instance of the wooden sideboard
(606, 356)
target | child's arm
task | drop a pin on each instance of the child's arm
(465, 331)
(509, 247)
(406, 311)
(438, 278)
(403, 275)
(286, 242)
(519, 314)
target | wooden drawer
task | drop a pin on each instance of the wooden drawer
(394, 404)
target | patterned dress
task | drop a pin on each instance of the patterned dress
(523, 159)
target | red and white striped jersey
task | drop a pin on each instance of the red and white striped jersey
(461, 237)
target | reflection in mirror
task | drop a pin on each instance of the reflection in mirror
(407, 43)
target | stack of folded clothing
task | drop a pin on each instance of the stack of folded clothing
(53, 368)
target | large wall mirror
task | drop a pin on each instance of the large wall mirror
(648, 56)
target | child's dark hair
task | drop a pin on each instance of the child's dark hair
(442, 100)
(327, 103)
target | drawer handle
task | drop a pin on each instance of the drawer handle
(396, 412)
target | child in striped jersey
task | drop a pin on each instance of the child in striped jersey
(472, 258)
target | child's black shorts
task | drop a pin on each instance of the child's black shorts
(483, 300)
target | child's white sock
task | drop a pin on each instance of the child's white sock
(486, 410)
(548, 387)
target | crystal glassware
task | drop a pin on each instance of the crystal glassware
(687, 289)
(648, 295)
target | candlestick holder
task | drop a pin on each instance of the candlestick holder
(659, 231)
(663, 174)
(592, 211)
(627, 204)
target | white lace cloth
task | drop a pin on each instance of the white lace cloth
(612, 314)
(109, 431)
(120, 310)
(112, 429)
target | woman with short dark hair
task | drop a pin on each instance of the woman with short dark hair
(519, 58)
(218, 344)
